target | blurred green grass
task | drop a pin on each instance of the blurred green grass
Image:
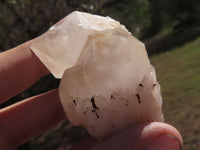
(178, 72)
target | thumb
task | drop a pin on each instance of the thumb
(149, 136)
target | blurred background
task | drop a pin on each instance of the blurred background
(169, 28)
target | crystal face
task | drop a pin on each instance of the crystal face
(108, 83)
(112, 86)
(59, 48)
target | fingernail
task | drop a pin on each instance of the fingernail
(165, 142)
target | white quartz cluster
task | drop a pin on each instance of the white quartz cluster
(108, 83)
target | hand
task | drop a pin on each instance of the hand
(19, 69)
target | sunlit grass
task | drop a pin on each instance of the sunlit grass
(178, 72)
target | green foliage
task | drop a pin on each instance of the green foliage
(172, 14)
(183, 11)
(21, 20)
(133, 14)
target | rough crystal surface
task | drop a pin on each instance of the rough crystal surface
(112, 86)
(60, 47)
(108, 83)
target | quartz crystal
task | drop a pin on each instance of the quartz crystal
(108, 83)
(59, 48)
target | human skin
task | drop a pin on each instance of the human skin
(20, 69)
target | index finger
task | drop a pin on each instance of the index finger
(19, 69)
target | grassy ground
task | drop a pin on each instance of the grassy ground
(178, 72)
